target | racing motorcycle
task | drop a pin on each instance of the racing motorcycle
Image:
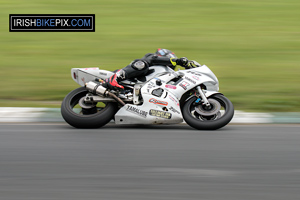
(162, 96)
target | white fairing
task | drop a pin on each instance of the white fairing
(83, 75)
(152, 111)
(156, 108)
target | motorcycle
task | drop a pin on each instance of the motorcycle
(162, 96)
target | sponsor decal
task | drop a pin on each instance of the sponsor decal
(170, 86)
(155, 101)
(137, 111)
(174, 100)
(91, 68)
(52, 23)
(83, 80)
(195, 73)
(104, 74)
(161, 114)
(184, 85)
(174, 110)
(196, 78)
(150, 85)
(190, 80)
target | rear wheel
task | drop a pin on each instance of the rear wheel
(81, 115)
(214, 117)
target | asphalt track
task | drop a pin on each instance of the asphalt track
(238, 162)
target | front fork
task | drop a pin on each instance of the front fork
(203, 97)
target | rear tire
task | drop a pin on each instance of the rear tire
(94, 117)
(206, 122)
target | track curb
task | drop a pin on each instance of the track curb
(27, 114)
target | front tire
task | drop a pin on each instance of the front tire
(197, 117)
(93, 116)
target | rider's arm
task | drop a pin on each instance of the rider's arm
(171, 62)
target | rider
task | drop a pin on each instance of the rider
(140, 67)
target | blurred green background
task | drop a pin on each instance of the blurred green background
(252, 46)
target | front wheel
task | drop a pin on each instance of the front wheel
(214, 117)
(81, 115)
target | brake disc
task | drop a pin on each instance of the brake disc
(214, 108)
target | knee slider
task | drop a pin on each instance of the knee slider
(139, 65)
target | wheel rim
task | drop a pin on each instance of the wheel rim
(77, 106)
(215, 112)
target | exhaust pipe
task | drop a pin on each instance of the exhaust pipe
(116, 98)
(97, 88)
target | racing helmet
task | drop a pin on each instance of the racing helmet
(165, 53)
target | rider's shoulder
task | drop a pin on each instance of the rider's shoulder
(147, 55)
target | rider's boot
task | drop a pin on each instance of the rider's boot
(112, 83)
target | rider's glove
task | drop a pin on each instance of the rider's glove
(182, 62)
(191, 64)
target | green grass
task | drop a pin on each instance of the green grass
(252, 46)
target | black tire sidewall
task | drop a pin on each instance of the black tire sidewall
(208, 125)
(96, 120)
